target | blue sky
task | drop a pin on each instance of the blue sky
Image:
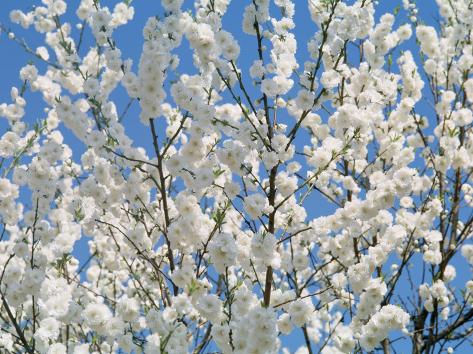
(129, 40)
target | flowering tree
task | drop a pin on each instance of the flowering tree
(209, 243)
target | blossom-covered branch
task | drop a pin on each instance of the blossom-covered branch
(275, 204)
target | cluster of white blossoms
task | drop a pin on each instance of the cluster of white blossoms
(273, 205)
(387, 319)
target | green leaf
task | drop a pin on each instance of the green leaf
(218, 172)
(79, 214)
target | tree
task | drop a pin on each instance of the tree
(209, 242)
